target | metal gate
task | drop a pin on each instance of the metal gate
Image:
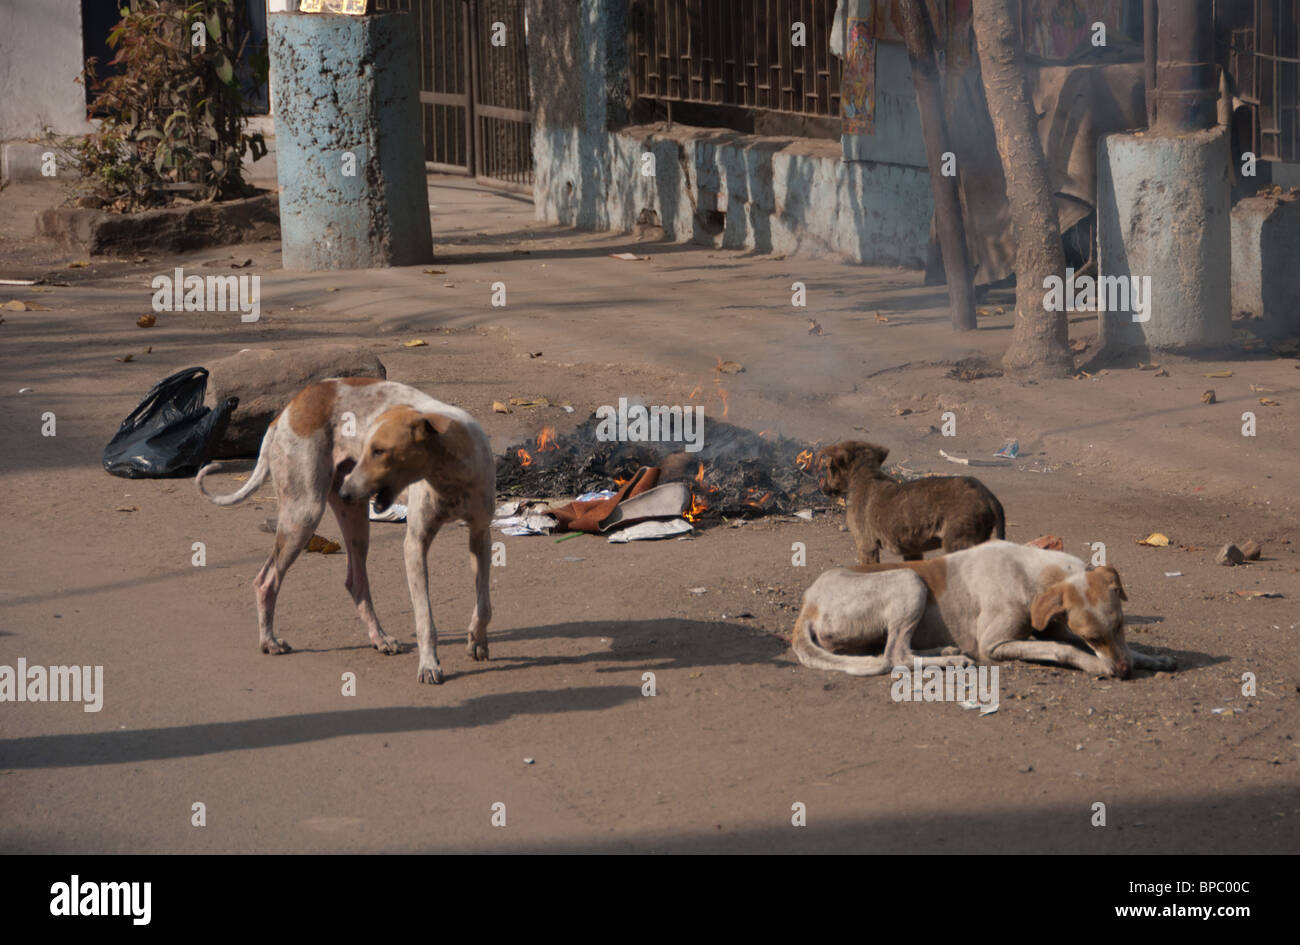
(476, 112)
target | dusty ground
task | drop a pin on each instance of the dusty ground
(738, 731)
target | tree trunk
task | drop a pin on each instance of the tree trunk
(934, 130)
(1039, 344)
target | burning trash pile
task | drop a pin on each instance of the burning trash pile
(733, 473)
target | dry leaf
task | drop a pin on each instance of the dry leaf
(127, 508)
(36, 307)
(435, 272)
(1255, 388)
(729, 367)
(881, 318)
(323, 546)
(1161, 373)
(79, 264)
(146, 321)
(814, 328)
(523, 402)
(1208, 397)
(498, 407)
(1269, 402)
(1155, 540)
(15, 306)
(1218, 374)
(125, 359)
(331, 289)
(415, 343)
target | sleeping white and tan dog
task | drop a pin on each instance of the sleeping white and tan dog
(983, 603)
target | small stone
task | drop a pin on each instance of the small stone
(1208, 397)
(1250, 550)
(529, 761)
(1229, 555)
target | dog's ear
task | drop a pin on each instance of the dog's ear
(880, 452)
(829, 456)
(1047, 605)
(421, 429)
(1111, 577)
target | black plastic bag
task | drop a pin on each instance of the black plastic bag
(171, 434)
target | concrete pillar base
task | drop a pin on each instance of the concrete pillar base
(1163, 213)
(1265, 274)
(349, 141)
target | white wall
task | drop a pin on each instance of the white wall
(40, 56)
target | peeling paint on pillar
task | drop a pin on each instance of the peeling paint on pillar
(348, 85)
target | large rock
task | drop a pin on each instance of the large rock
(265, 380)
(172, 229)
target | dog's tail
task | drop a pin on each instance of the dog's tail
(1001, 524)
(256, 479)
(813, 655)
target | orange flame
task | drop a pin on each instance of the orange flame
(723, 394)
(804, 459)
(524, 459)
(698, 506)
(699, 476)
(546, 440)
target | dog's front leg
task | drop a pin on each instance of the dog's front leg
(1049, 651)
(420, 528)
(480, 556)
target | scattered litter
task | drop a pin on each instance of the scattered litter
(332, 289)
(1218, 374)
(1155, 540)
(534, 354)
(1269, 402)
(881, 318)
(498, 407)
(127, 508)
(1256, 389)
(805, 514)
(814, 327)
(1208, 397)
(126, 358)
(323, 546)
(17, 282)
(568, 536)
(629, 257)
(14, 305)
(529, 761)
(1173, 574)
(573, 558)
(697, 590)
(567, 408)
(147, 320)
(394, 513)
(1161, 373)
(78, 264)
(1253, 595)
(984, 708)
(25, 390)
(593, 496)
(971, 462)
(525, 402)
(1009, 450)
(729, 367)
(1226, 712)
(435, 272)
(415, 343)
(1048, 543)
(530, 523)
(648, 531)
(1229, 556)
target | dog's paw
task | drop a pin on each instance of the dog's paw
(275, 646)
(477, 651)
(430, 674)
(386, 645)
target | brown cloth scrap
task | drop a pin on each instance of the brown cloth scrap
(599, 515)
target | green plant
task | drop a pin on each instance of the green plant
(173, 117)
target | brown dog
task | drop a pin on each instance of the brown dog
(907, 518)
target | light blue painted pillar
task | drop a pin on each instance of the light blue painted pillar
(350, 149)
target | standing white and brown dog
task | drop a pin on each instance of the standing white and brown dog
(346, 439)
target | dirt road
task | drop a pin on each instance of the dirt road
(737, 731)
